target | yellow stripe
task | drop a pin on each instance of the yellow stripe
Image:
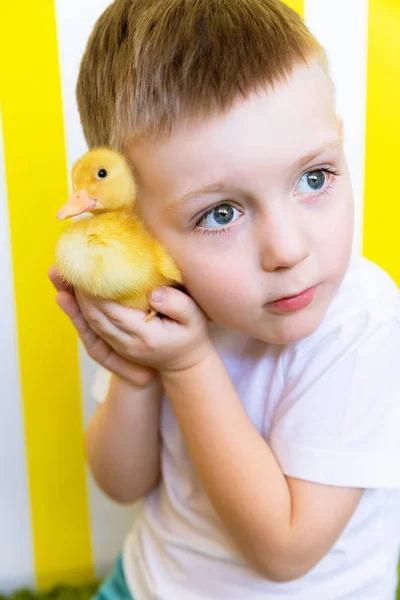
(297, 5)
(37, 185)
(381, 204)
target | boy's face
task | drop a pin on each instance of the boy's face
(255, 206)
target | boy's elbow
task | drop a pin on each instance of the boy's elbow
(122, 494)
(121, 498)
(282, 573)
(118, 495)
(282, 567)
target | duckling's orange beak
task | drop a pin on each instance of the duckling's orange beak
(77, 203)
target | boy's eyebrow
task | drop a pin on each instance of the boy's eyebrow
(301, 162)
(214, 188)
(220, 187)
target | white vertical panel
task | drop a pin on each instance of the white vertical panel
(110, 522)
(342, 28)
(16, 550)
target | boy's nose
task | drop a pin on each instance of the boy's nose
(283, 242)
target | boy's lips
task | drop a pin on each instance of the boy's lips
(293, 303)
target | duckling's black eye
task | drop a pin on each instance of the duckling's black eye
(102, 173)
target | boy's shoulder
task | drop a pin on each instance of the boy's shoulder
(366, 287)
(367, 298)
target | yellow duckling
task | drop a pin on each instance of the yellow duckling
(106, 251)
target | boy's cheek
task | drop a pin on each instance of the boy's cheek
(220, 297)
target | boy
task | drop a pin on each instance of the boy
(258, 419)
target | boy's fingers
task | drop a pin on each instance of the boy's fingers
(52, 273)
(94, 317)
(106, 356)
(90, 340)
(174, 304)
(68, 304)
(99, 350)
(57, 281)
(95, 346)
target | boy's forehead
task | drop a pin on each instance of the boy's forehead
(273, 127)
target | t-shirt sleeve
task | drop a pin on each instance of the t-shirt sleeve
(101, 383)
(338, 422)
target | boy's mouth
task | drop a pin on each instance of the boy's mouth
(293, 303)
(290, 296)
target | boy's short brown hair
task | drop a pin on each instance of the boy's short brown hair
(149, 64)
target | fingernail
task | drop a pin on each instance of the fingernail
(157, 295)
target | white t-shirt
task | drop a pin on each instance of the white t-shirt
(329, 407)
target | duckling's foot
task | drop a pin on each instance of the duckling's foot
(151, 314)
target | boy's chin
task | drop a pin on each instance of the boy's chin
(276, 329)
(290, 329)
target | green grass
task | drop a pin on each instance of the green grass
(57, 593)
(71, 593)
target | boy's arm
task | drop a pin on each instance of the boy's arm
(283, 526)
(123, 442)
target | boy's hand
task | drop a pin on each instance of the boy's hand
(170, 343)
(96, 347)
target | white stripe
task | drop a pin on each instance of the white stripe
(16, 547)
(110, 522)
(342, 28)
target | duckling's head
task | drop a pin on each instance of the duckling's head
(102, 182)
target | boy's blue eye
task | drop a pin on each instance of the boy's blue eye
(313, 181)
(220, 215)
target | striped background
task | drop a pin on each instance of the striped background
(55, 525)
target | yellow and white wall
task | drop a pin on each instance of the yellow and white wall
(55, 525)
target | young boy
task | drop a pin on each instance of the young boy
(258, 419)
